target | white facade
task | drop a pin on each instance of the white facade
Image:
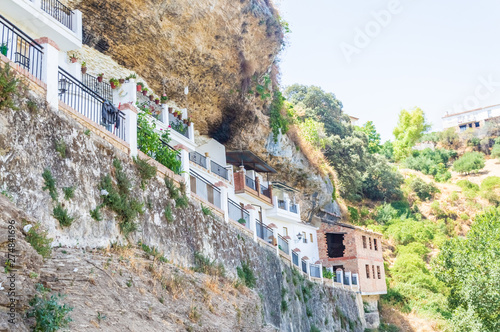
(471, 119)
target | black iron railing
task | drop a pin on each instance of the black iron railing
(295, 258)
(283, 244)
(84, 100)
(59, 11)
(236, 212)
(103, 89)
(20, 48)
(264, 232)
(178, 125)
(265, 190)
(249, 182)
(204, 189)
(198, 159)
(219, 170)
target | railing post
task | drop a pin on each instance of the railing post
(185, 167)
(287, 202)
(164, 114)
(257, 185)
(208, 161)
(253, 216)
(50, 70)
(77, 23)
(130, 127)
(223, 199)
(126, 93)
(308, 267)
(191, 131)
(340, 277)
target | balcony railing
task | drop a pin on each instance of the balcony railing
(58, 11)
(249, 182)
(236, 212)
(178, 125)
(204, 189)
(219, 170)
(295, 258)
(198, 159)
(20, 48)
(281, 204)
(293, 208)
(264, 232)
(265, 190)
(315, 270)
(103, 89)
(85, 101)
(304, 266)
(283, 244)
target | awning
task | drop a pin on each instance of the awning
(249, 160)
(284, 187)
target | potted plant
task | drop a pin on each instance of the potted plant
(114, 83)
(99, 77)
(185, 121)
(157, 101)
(151, 97)
(170, 110)
(144, 91)
(140, 85)
(84, 67)
(131, 77)
(121, 80)
(242, 221)
(164, 99)
(179, 115)
(73, 58)
(189, 121)
(4, 49)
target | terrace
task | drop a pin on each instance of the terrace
(284, 207)
(46, 18)
(247, 180)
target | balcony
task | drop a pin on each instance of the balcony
(250, 189)
(46, 18)
(283, 207)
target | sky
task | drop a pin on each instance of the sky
(381, 56)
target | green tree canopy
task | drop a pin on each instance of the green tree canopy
(373, 136)
(411, 126)
(471, 267)
(469, 162)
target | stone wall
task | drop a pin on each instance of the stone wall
(28, 142)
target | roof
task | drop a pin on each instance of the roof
(353, 117)
(282, 186)
(249, 160)
(474, 110)
(359, 228)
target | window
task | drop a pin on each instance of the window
(373, 271)
(304, 238)
(370, 242)
(364, 241)
(463, 128)
(375, 244)
(311, 237)
(285, 231)
(368, 271)
(335, 245)
(378, 272)
(477, 124)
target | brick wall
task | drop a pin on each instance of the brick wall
(356, 257)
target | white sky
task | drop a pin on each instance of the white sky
(431, 54)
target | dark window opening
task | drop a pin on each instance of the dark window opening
(370, 241)
(375, 244)
(373, 271)
(364, 242)
(368, 271)
(463, 128)
(470, 125)
(477, 124)
(378, 272)
(335, 244)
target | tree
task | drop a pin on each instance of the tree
(469, 162)
(373, 137)
(411, 126)
(381, 181)
(471, 267)
(387, 150)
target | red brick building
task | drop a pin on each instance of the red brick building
(354, 249)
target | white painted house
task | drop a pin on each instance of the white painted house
(475, 119)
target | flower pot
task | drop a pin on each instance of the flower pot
(73, 60)
(163, 102)
(179, 116)
(113, 86)
(157, 102)
(151, 97)
(185, 121)
(4, 49)
(144, 93)
(84, 70)
(139, 88)
(170, 110)
(99, 79)
(121, 80)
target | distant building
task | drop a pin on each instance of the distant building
(476, 118)
(354, 120)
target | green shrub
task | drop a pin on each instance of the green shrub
(182, 202)
(205, 265)
(277, 120)
(469, 162)
(353, 214)
(173, 191)
(50, 316)
(96, 214)
(8, 88)
(168, 214)
(61, 148)
(490, 188)
(61, 214)
(155, 145)
(284, 305)
(39, 240)
(410, 230)
(50, 184)
(327, 273)
(314, 328)
(246, 275)
(423, 190)
(206, 210)
(69, 192)
(495, 151)
(146, 171)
